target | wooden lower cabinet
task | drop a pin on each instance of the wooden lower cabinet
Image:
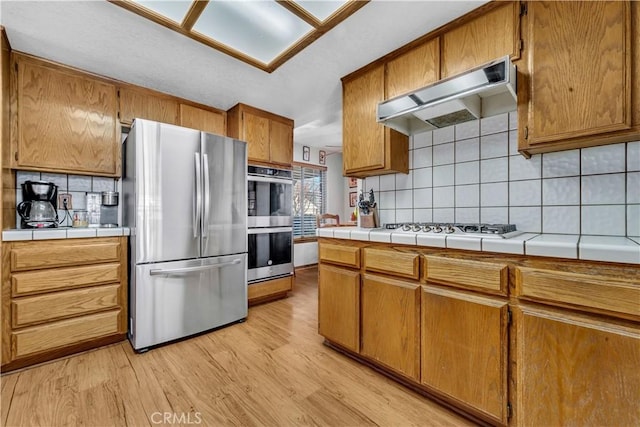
(269, 290)
(575, 370)
(464, 348)
(391, 323)
(61, 296)
(339, 306)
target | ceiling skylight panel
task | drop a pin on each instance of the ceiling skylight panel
(174, 10)
(260, 29)
(321, 9)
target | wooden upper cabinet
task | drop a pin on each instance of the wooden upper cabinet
(368, 147)
(581, 70)
(66, 121)
(269, 137)
(146, 104)
(464, 349)
(575, 370)
(414, 69)
(485, 38)
(205, 120)
(280, 142)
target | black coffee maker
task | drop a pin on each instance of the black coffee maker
(39, 208)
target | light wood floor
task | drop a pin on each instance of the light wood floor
(270, 371)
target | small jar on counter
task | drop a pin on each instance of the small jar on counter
(80, 218)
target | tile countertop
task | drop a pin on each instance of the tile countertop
(62, 233)
(593, 248)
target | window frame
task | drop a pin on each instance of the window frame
(323, 194)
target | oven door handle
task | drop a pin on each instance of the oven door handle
(270, 230)
(271, 180)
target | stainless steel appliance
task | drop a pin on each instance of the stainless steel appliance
(185, 200)
(483, 91)
(269, 209)
(485, 231)
(39, 206)
(109, 209)
(269, 197)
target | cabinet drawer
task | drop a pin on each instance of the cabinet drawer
(63, 333)
(467, 273)
(27, 256)
(338, 254)
(405, 264)
(31, 282)
(271, 287)
(30, 310)
(585, 290)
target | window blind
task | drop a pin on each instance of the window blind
(309, 199)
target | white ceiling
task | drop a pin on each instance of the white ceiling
(105, 39)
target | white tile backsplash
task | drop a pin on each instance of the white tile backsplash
(513, 120)
(443, 135)
(561, 219)
(467, 196)
(633, 187)
(494, 170)
(58, 179)
(468, 130)
(522, 168)
(561, 163)
(457, 175)
(22, 176)
(443, 154)
(494, 145)
(421, 140)
(494, 194)
(604, 159)
(422, 177)
(372, 182)
(387, 183)
(561, 191)
(79, 183)
(603, 189)
(467, 150)
(443, 175)
(601, 220)
(467, 173)
(103, 184)
(525, 193)
(422, 158)
(495, 124)
(633, 156)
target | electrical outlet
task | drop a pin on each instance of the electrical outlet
(64, 201)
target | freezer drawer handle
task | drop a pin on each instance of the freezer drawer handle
(186, 270)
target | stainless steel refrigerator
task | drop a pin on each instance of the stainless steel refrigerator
(185, 200)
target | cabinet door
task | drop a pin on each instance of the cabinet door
(204, 120)
(391, 323)
(575, 370)
(144, 105)
(579, 69)
(281, 142)
(363, 138)
(415, 69)
(66, 122)
(256, 134)
(464, 348)
(488, 37)
(339, 306)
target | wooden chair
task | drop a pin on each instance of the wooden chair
(321, 220)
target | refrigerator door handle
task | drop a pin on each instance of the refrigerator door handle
(198, 196)
(207, 196)
(186, 270)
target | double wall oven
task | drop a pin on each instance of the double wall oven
(270, 223)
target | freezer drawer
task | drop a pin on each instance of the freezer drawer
(176, 299)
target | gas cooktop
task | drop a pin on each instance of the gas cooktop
(496, 231)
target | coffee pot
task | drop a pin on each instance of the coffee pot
(39, 206)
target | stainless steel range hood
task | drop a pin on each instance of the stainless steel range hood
(480, 92)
